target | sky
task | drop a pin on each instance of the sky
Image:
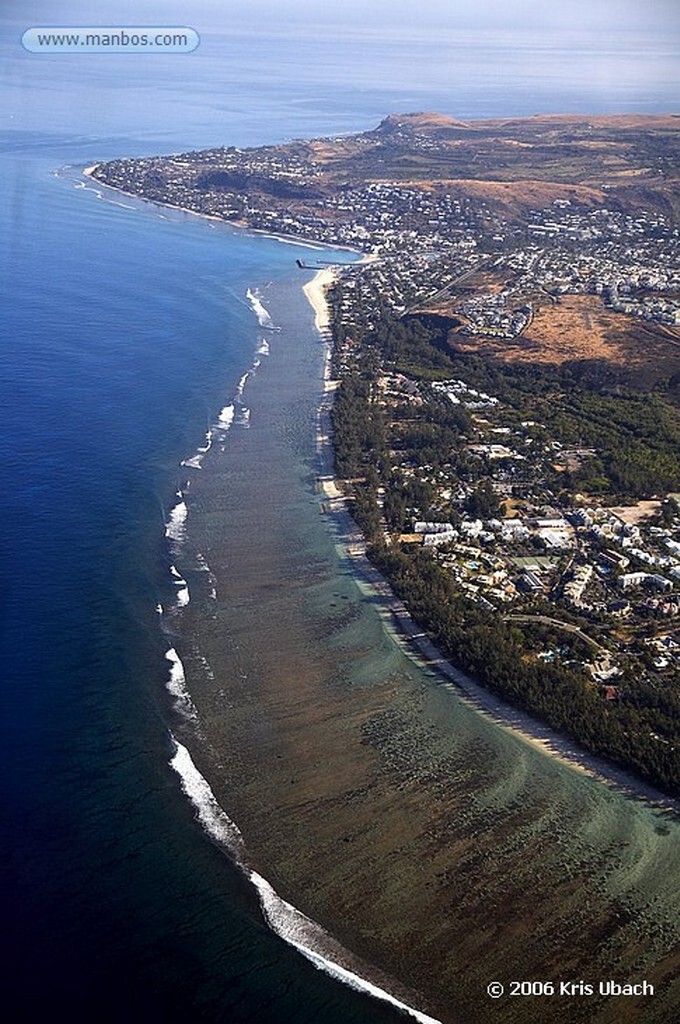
(599, 56)
(362, 15)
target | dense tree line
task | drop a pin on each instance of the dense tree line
(637, 435)
(637, 439)
(358, 428)
(639, 731)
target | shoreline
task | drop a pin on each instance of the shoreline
(239, 225)
(355, 955)
(319, 943)
(282, 857)
(405, 792)
(310, 939)
(401, 626)
(315, 290)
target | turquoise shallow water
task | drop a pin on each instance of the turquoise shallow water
(108, 377)
(125, 332)
(360, 780)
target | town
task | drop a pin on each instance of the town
(506, 420)
(550, 506)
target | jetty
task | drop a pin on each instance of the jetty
(317, 264)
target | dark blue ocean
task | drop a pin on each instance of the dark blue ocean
(124, 331)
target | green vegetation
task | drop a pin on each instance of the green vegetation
(637, 440)
(640, 731)
(637, 436)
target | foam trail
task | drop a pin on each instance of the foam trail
(290, 924)
(236, 413)
(262, 314)
(174, 528)
(204, 567)
(206, 667)
(195, 460)
(183, 597)
(177, 684)
(107, 199)
(208, 443)
(300, 931)
(214, 820)
(242, 384)
(100, 194)
(226, 417)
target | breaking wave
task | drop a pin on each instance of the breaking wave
(176, 684)
(174, 527)
(262, 314)
(285, 920)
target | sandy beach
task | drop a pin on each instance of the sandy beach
(400, 818)
(315, 290)
(419, 647)
(428, 834)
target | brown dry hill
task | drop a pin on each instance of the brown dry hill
(578, 329)
(526, 161)
(513, 165)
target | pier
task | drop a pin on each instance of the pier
(317, 264)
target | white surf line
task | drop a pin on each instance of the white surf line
(260, 311)
(183, 596)
(176, 684)
(208, 442)
(300, 931)
(234, 413)
(287, 240)
(212, 817)
(88, 187)
(241, 384)
(283, 918)
(226, 417)
(174, 527)
(194, 461)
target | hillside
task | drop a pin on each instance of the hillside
(516, 165)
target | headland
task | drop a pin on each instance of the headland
(378, 802)
(521, 328)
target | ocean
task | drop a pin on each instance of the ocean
(126, 331)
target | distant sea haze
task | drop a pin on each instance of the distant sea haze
(113, 380)
(128, 332)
